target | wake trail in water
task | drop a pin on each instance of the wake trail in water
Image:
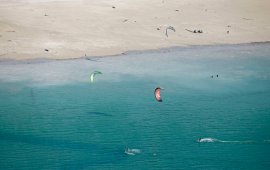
(213, 140)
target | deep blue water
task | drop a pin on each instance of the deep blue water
(52, 117)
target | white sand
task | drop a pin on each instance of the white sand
(73, 28)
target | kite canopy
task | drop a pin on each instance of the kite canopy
(93, 75)
(171, 28)
(157, 94)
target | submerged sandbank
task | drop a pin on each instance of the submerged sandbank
(68, 28)
(187, 63)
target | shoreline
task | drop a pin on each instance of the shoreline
(62, 29)
(134, 52)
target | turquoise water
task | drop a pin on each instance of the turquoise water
(52, 117)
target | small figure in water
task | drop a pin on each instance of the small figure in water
(217, 75)
(132, 151)
(212, 76)
(128, 151)
(206, 140)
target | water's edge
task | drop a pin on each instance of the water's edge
(160, 50)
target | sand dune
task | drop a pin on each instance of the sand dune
(69, 29)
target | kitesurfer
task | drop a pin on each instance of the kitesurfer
(199, 140)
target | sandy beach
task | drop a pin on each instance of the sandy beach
(63, 29)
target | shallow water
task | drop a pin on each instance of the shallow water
(52, 117)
